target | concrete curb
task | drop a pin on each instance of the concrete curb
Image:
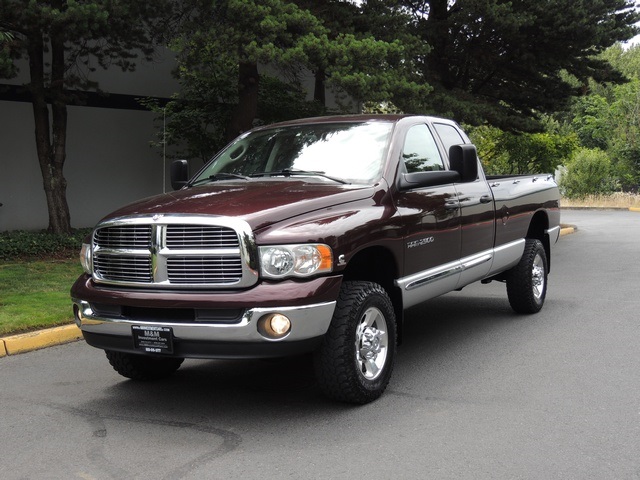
(567, 230)
(26, 342)
(631, 209)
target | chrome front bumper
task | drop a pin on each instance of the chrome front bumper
(212, 340)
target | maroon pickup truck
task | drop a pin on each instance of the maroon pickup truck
(311, 236)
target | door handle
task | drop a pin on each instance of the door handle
(486, 199)
(453, 205)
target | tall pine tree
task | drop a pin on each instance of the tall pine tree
(501, 61)
(228, 48)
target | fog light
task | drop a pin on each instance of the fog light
(280, 324)
(274, 326)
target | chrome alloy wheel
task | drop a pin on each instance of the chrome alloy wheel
(537, 277)
(372, 343)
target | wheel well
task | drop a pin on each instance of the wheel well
(377, 264)
(537, 229)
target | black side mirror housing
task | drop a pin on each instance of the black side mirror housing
(179, 174)
(428, 179)
(464, 160)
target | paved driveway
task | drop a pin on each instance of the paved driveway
(478, 393)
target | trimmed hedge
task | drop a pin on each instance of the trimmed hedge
(20, 244)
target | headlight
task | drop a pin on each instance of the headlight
(280, 261)
(86, 258)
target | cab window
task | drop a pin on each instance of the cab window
(449, 135)
(420, 153)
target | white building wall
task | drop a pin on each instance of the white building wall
(109, 163)
(21, 192)
(109, 160)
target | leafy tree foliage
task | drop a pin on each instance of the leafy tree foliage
(195, 122)
(501, 62)
(590, 121)
(7, 69)
(241, 63)
(219, 45)
(608, 118)
(624, 59)
(61, 43)
(504, 152)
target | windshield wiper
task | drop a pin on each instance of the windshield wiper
(287, 173)
(218, 176)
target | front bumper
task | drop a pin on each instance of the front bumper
(308, 305)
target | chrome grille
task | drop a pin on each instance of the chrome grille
(200, 236)
(123, 268)
(178, 251)
(204, 269)
(130, 236)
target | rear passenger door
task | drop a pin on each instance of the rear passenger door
(477, 211)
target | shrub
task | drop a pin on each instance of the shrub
(589, 172)
(21, 244)
(508, 153)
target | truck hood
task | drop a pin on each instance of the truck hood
(258, 202)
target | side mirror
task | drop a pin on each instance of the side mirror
(428, 179)
(464, 160)
(179, 174)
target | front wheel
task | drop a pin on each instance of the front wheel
(142, 367)
(355, 361)
(527, 281)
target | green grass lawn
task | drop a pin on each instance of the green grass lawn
(35, 294)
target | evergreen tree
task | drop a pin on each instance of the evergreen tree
(502, 61)
(232, 51)
(62, 41)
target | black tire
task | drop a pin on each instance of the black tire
(141, 367)
(356, 358)
(527, 281)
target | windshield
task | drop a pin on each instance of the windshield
(344, 152)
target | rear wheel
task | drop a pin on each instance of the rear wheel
(527, 281)
(355, 360)
(141, 367)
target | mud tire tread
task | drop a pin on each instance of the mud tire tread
(141, 367)
(334, 362)
(520, 283)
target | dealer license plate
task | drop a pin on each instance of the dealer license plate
(152, 339)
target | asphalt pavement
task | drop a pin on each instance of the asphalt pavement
(478, 392)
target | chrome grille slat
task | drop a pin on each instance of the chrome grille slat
(124, 268)
(198, 252)
(204, 269)
(200, 236)
(132, 237)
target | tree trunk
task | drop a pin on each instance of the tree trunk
(245, 113)
(319, 90)
(438, 60)
(51, 155)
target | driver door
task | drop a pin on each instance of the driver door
(431, 216)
